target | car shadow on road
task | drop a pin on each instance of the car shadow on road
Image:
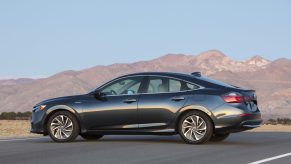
(236, 139)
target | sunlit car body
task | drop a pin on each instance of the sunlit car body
(196, 107)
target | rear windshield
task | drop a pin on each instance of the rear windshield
(216, 82)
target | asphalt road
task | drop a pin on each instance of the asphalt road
(239, 148)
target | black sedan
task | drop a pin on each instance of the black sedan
(196, 107)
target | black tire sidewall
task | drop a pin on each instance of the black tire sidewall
(75, 131)
(209, 127)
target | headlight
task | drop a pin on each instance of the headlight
(38, 108)
(42, 107)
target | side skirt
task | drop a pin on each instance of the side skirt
(133, 132)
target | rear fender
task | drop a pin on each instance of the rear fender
(195, 107)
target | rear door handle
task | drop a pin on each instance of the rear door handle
(128, 101)
(178, 98)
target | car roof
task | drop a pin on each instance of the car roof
(194, 77)
(170, 74)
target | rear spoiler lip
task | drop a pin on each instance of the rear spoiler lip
(242, 90)
(248, 90)
(253, 94)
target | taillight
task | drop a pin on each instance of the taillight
(245, 115)
(234, 97)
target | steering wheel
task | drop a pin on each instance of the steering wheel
(113, 92)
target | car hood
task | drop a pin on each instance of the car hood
(58, 99)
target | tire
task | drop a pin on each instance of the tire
(193, 134)
(63, 126)
(219, 137)
(91, 137)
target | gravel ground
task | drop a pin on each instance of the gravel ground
(15, 129)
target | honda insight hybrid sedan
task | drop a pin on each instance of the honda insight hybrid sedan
(163, 103)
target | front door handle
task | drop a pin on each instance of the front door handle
(178, 98)
(128, 101)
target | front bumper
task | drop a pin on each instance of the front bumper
(37, 122)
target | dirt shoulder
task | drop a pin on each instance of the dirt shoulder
(273, 128)
(15, 128)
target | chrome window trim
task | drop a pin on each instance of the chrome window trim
(120, 78)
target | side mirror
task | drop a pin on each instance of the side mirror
(99, 95)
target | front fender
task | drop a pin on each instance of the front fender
(60, 107)
(52, 109)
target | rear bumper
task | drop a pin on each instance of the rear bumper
(251, 124)
(239, 123)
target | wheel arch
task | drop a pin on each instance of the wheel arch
(190, 108)
(58, 108)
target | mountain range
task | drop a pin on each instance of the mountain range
(271, 80)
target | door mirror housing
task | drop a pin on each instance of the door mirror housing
(99, 94)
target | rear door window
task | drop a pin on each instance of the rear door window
(175, 85)
(163, 85)
(158, 85)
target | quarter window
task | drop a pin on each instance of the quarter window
(191, 86)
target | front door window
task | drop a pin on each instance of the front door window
(126, 86)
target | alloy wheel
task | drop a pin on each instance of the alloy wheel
(61, 127)
(194, 128)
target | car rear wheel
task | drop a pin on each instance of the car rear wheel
(219, 137)
(91, 137)
(63, 127)
(195, 127)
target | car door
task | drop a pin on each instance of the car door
(163, 97)
(116, 109)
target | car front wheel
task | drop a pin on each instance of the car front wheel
(63, 127)
(195, 127)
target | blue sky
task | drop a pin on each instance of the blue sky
(41, 38)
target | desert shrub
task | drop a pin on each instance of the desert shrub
(282, 121)
(272, 122)
(15, 116)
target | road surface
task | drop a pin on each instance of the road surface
(246, 147)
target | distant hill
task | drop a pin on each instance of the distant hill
(271, 79)
(16, 81)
